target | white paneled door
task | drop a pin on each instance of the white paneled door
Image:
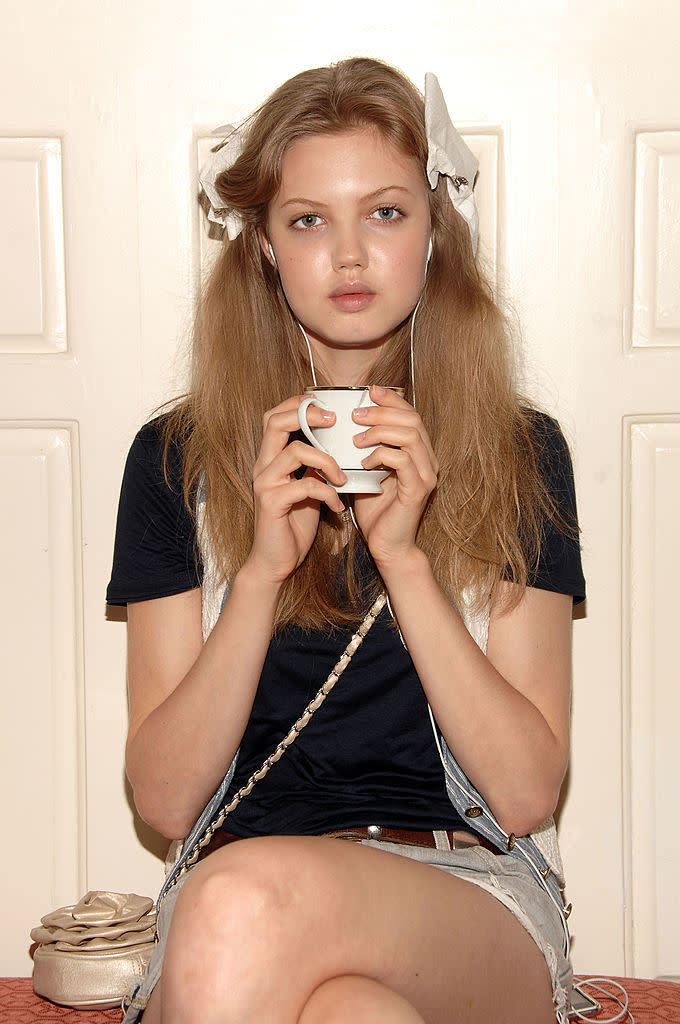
(104, 110)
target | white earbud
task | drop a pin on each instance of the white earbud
(271, 253)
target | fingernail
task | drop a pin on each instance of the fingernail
(377, 390)
(327, 415)
(359, 414)
(361, 436)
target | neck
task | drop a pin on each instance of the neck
(344, 366)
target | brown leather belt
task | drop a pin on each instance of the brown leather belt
(406, 837)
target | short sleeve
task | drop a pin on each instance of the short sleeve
(559, 567)
(155, 551)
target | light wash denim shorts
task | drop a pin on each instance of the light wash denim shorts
(505, 877)
(511, 882)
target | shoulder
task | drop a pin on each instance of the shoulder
(155, 552)
(559, 567)
(154, 469)
(551, 452)
(546, 433)
(153, 480)
(157, 451)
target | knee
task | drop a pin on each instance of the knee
(353, 999)
(223, 930)
(235, 893)
(239, 895)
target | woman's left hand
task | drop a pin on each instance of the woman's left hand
(389, 521)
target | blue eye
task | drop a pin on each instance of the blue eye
(308, 220)
(386, 213)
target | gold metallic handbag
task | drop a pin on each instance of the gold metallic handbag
(91, 955)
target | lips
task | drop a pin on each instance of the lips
(352, 297)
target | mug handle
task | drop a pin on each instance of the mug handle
(302, 420)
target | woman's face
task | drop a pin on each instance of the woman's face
(349, 228)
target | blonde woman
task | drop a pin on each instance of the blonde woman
(396, 862)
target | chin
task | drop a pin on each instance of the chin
(357, 335)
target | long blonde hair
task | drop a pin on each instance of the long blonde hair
(485, 519)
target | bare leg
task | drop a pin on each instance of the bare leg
(152, 1014)
(346, 1000)
(353, 1000)
(263, 924)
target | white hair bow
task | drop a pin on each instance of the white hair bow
(221, 159)
(447, 154)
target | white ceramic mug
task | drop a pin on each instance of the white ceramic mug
(338, 439)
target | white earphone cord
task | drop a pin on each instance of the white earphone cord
(413, 397)
(309, 352)
(412, 365)
(579, 985)
(413, 372)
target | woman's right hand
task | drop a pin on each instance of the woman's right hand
(287, 508)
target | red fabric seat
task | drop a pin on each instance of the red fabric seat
(651, 1002)
(20, 1005)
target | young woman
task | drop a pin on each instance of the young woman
(368, 874)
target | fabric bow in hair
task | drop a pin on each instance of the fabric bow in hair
(221, 158)
(447, 154)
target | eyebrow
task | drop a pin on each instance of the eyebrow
(364, 199)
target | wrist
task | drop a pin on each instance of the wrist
(407, 565)
(256, 581)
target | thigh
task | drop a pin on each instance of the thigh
(357, 1000)
(152, 1013)
(315, 908)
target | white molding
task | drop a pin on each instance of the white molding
(651, 696)
(33, 310)
(44, 732)
(656, 244)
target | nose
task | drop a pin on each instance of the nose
(349, 251)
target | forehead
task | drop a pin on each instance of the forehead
(353, 163)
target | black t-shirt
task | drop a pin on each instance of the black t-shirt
(368, 756)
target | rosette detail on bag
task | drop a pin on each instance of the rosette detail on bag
(93, 954)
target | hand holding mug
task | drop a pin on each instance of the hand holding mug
(337, 439)
(396, 438)
(287, 503)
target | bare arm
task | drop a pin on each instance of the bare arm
(189, 702)
(506, 713)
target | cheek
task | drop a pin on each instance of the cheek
(302, 285)
(299, 270)
(410, 275)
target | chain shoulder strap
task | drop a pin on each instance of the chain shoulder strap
(288, 739)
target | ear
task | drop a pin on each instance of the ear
(265, 246)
